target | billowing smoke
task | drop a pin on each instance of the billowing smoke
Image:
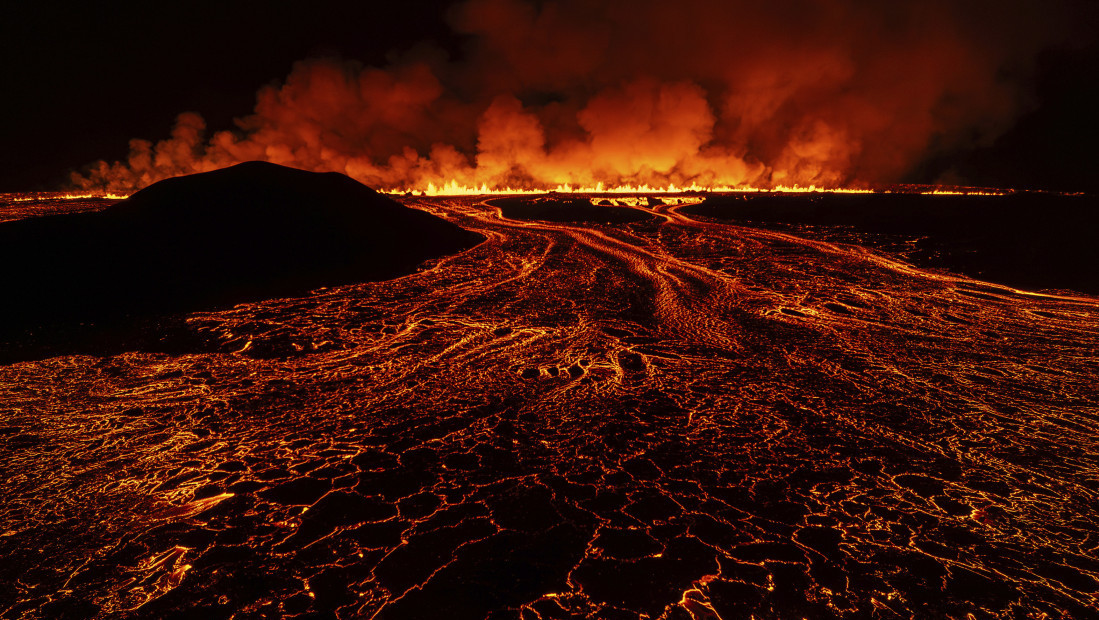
(641, 92)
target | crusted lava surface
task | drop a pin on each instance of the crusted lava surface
(1033, 240)
(574, 209)
(675, 417)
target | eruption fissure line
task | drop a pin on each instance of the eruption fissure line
(72, 196)
(453, 188)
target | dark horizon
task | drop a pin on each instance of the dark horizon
(87, 81)
(91, 78)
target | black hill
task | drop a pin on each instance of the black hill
(252, 231)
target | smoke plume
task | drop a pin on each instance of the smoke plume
(640, 92)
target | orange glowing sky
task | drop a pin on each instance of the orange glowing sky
(528, 95)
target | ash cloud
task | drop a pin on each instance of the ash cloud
(642, 92)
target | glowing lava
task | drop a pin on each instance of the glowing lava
(668, 417)
(40, 196)
(454, 188)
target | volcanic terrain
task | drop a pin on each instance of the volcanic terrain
(666, 415)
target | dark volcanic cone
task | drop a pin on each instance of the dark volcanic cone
(253, 231)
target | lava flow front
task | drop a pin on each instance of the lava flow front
(650, 414)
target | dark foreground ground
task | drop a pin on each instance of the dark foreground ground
(672, 417)
(1031, 240)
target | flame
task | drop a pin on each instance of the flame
(955, 192)
(71, 196)
(454, 188)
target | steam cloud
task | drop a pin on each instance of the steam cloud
(705, 92)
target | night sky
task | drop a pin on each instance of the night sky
(81, 80)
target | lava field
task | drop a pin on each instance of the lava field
(656, 414)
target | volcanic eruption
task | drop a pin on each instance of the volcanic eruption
(701, 94)
(740, 342)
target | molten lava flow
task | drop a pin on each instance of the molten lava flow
(454, 188)
(951, 192)
(35, 197)
(665, 416)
